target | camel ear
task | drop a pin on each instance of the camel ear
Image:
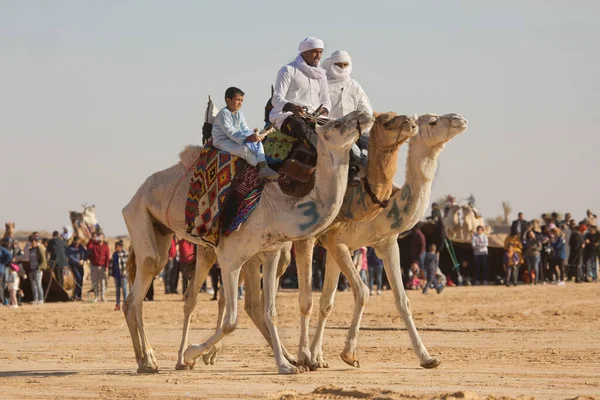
(376, 114)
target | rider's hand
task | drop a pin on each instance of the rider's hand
(253, 138)
(324, 112)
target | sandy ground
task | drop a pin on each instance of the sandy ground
(495, 342)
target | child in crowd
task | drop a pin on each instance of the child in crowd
(231, 133)
(119, 272)
(12, 282)
(430, 264)
(511, 265)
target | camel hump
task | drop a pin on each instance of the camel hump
(189, 155)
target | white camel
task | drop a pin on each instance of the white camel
(404, 210)
(156, 212)
(452, 222)
(471, 222)
(360, 203)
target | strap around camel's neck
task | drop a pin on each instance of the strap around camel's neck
(374, 199)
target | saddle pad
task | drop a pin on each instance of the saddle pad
(278, 146)
(210, 187)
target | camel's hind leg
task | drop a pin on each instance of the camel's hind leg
(151, 252)
(205, 258)
(389, 252)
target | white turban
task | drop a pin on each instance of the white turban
(336, 74)
(310, 43)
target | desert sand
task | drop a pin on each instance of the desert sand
(539, 342)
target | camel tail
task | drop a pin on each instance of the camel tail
(131, 267)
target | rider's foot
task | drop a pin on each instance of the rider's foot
(267, 173)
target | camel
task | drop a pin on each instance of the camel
(360, 203)
(84, 223)
(471, 222)
(9, 233)
(452, 222)
(156, 212)
(406, 208)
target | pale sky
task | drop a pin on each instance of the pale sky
(97, 95)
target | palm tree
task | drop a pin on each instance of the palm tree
(507, 210)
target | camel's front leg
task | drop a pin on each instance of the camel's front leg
(230, 273)
(332, 277)
(205, 258)
(270, 312)
(341, 254)
(304, 253)
(389, 252)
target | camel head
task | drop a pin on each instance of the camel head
(343, 132)
(9, 229)
(437, 130)
(391, 130)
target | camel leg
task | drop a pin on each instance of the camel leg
(341, 254)
(230, 276)
(151, 251)
(389, 252)
(332, 277)
(304, 253)
(270, 312)
(254, 300)
(205, 258)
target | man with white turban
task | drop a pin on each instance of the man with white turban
(300, 86)
(346, 96)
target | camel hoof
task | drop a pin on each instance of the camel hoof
(350, 360)
(289, 370)
(322, 364)
(145, 369)
(433, 363)
(184, 367)
(210, 358)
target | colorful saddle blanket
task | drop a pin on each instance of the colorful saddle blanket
(209, 191)
(224, 190)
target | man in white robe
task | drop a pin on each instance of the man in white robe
(346, 96)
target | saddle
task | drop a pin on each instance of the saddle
(300, 164)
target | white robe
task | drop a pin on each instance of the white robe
(347, 96)
(293, 86)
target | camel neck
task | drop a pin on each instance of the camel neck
(310, 214)
(411, 201)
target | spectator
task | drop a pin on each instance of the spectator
(168, 279)
(576, 246)
(77, 256)
(431, 266)
(361, 263)
(99, 256)
(119, 272)
(67, 234)
(12, 282)
(187, 261)
(590, 253)
(533, 248)
(215, 277)
(417, 247)
(35, 267)
(6, 258)
(24, 257)
(375, 266)
(57, 249)
(511, 265)
(567, 220)
(480, 252)
(519, 226)
(547, 255)
(559, 243)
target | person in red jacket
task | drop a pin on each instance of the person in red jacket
(99, 256)
(187, 261)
